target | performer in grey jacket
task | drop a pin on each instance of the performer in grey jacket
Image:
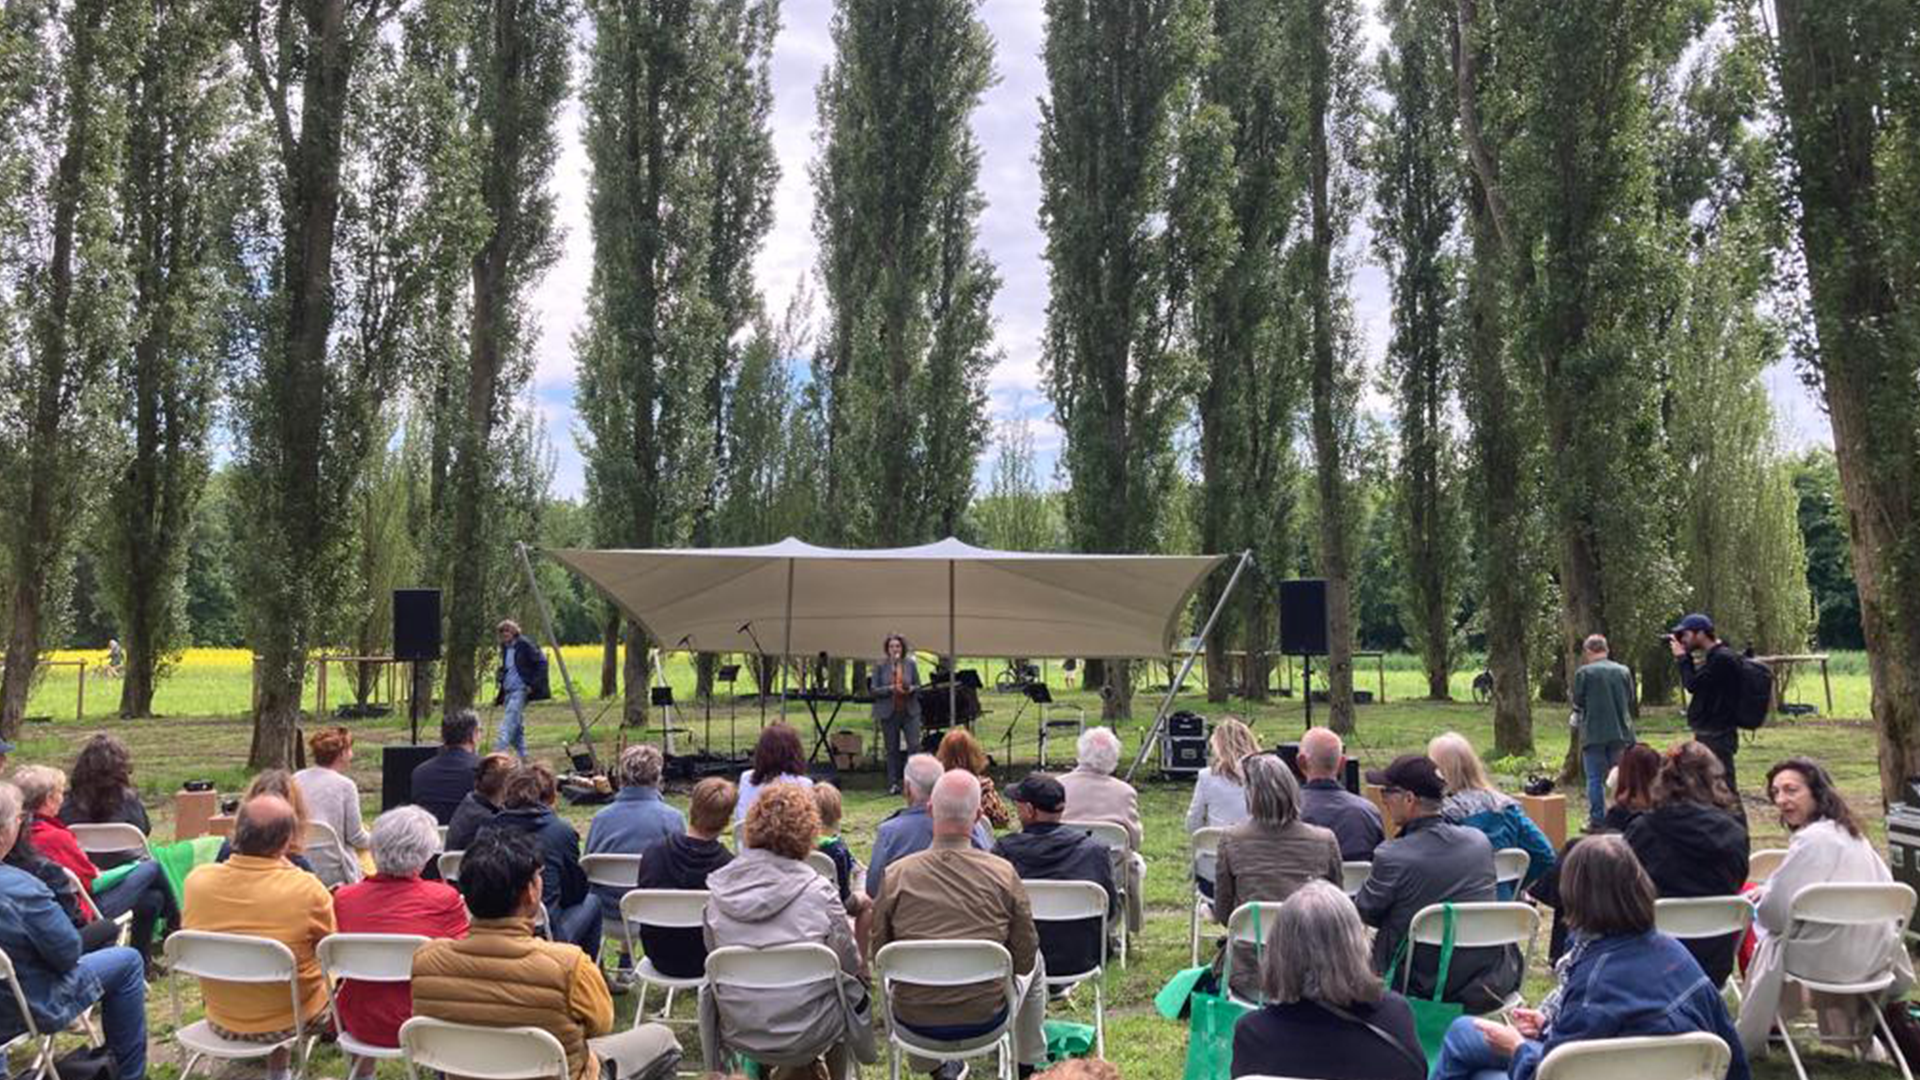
(893, 681)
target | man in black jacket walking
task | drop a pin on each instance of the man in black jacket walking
(1713, 688)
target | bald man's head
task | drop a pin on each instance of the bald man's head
(264, 827)
(956, 803)
(1320, 753)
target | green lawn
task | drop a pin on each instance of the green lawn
(1146, 1047)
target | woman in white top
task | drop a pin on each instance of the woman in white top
(333, 798)
(1827, 847)
(777, 759)
(1220, 791)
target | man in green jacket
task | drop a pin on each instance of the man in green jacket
(1602, 700)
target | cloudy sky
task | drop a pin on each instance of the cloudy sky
(1007, 126)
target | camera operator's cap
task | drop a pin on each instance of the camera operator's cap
(1695, 621)
(1415, 774)
(1040, 791)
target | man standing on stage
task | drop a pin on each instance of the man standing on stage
(523, 678)
(1713, 688)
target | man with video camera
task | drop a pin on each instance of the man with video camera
(1713, 688)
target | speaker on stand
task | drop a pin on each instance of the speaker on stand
(1303, 628)
(416, 639)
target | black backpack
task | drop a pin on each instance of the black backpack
(1756, 694)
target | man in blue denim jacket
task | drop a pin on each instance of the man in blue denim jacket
(59, 982)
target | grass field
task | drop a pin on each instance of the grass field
(205, 735)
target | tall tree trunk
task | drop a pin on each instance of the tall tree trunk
(639, 674)
(610, 655)
(1836, 68)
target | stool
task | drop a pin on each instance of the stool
(1048, 725)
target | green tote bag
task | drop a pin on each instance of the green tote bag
(1431, 1016)
(1210, 1032)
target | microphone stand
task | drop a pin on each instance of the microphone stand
(759, 674)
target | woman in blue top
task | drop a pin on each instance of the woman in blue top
(1620, 977)
(1472, 801)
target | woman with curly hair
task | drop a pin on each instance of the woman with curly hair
(960, 750)
(769, 896)
(100, 791)
(1828, 846)
(777, 759)
(1692, 844)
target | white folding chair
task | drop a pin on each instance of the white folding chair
(40, 1066)
(1761, 864)
(945, 964)
(1354, 875)
(777, 969)
(612, 871)
(124, 920)
(450, 867)
(669, 909)
(1704, 917)
(1250, 924)
(1119, 844)
(1072, 902)
(323, 837)
(1697, 1055)
(443, 838)
(1888, 904)
(110, 838)
(1510, 866)
(1076, 722)
(1206, 854)
(374, 958)
(1485, 924)
(481, 1053)
(234, 958)
(822, 864)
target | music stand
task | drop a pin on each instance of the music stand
(1036, 693)
(729, 674)
(662, 698)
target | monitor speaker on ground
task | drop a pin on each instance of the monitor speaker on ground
(1303, 617)
(397, 763)
(1184, 756)
(1290, 753)
(416, 624)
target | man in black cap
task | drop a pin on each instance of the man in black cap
(1044, 851)
(1431, 861)
(1713, 688)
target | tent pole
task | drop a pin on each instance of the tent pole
(1160, 719)
(953, 653)
(786, 646)
(546, 619)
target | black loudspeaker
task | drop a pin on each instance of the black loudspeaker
(1303, 617)
(396, 773)
(1186, 725)
(416, 624)
(1183, 756)
(1290, 753)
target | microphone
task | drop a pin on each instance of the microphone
(686, 641)
(743, 627)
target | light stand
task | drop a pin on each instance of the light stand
(759, 672)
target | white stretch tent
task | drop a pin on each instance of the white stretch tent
(948, 597)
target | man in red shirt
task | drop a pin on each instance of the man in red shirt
(395, 900)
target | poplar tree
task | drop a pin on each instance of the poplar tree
(1123, 66)
(908, 339)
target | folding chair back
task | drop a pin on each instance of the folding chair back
(41, 1065)
(1697, 1055)
(1477, 925)
(1510, 865)
(1354, 874)
(1074, 902)
(1206, 850)
(481, 1053)
(233, 958)
(1690, 918)
(683, 908)
(450, 866)
(777, 967)
(1837, 904)
(612, 871)
(1761, 864)
(1111, 834)
(109, 838)
(822, 864)
(374, 958)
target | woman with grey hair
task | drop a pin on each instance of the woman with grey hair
(1095, 794)
(395, 900)
(1270, 855)
(1327, 1016)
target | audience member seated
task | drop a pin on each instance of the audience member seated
(953, 891)
(57, 979)
(826, 801)
(1827, 846)
(1326, 802)
(142, 890)
(278, 782)
(1268, 856)
(259, 893)
(100, 792)
(1095, 794)
(573, 912)
(685, 862)
(1043, 851)
(395, 900)
(334, 799)
(1326, 1016)
(635, 819)
(777, 759)
(770, 896)
(958, 749)
(500, 975)
(1632, 788)
(483, 802)
(1431, 861)
(1220, 792)
(442, 782)
(1620, 978)
(95, 932)
(1691, 843)
(911, 829)
(1473, 802)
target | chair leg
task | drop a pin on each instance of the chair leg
(187, 1069)
(1100, 1016)
(893, 1059)
(666, 1011)
(1893, 1045)
(1786, 1036)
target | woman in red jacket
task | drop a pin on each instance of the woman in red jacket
(143, 890)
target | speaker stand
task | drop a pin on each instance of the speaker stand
(1306, 685)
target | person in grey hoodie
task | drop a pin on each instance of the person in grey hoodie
(769, 896)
